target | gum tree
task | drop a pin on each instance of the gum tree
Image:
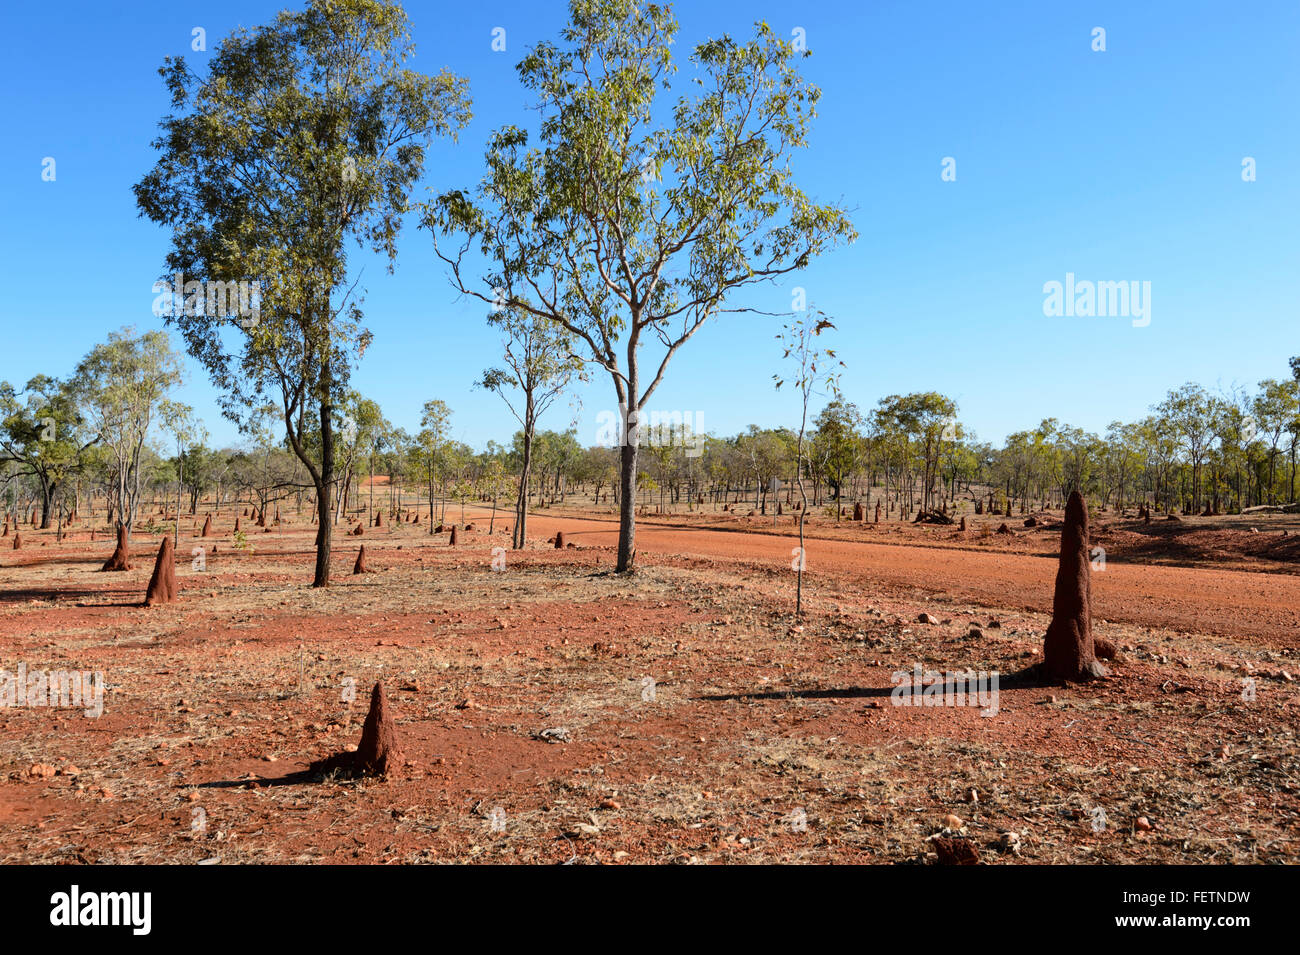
(125, 383)
(42, 432)
(305, 134)
(430, 442)
(538, 363)
(648, 204)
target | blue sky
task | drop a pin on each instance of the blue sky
(1116, 165)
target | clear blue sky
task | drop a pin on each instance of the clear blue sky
(1122, 165)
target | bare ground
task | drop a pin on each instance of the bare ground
(757, 741)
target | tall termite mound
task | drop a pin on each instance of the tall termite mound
(162, 585)
(119, 560)
(1068, 650)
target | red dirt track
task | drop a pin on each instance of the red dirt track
(1263, 606)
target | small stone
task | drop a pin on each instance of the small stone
(41, 770)
(951, 821)
(610, 804)
(1143, 824)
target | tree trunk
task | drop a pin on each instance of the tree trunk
(627, 507)
(47, 498)
(324, 489)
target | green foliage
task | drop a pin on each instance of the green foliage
(632, 220)
(305, 133)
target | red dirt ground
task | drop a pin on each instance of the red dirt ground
(761, 741)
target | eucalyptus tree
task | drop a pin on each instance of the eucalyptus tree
(1121, 461)
(124, 384)
(364, 434)
(430, 442)
(306, 133)
(1275, 410)
(838, 438)
(636, 220)
(265, 469)
(1188, 411)
(538, 365)
(43, 434)
(919, 421)
(179, 421)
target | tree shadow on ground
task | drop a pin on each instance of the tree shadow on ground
(300, 778)
(1026, 679)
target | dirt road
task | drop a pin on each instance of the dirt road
(1262, 606)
